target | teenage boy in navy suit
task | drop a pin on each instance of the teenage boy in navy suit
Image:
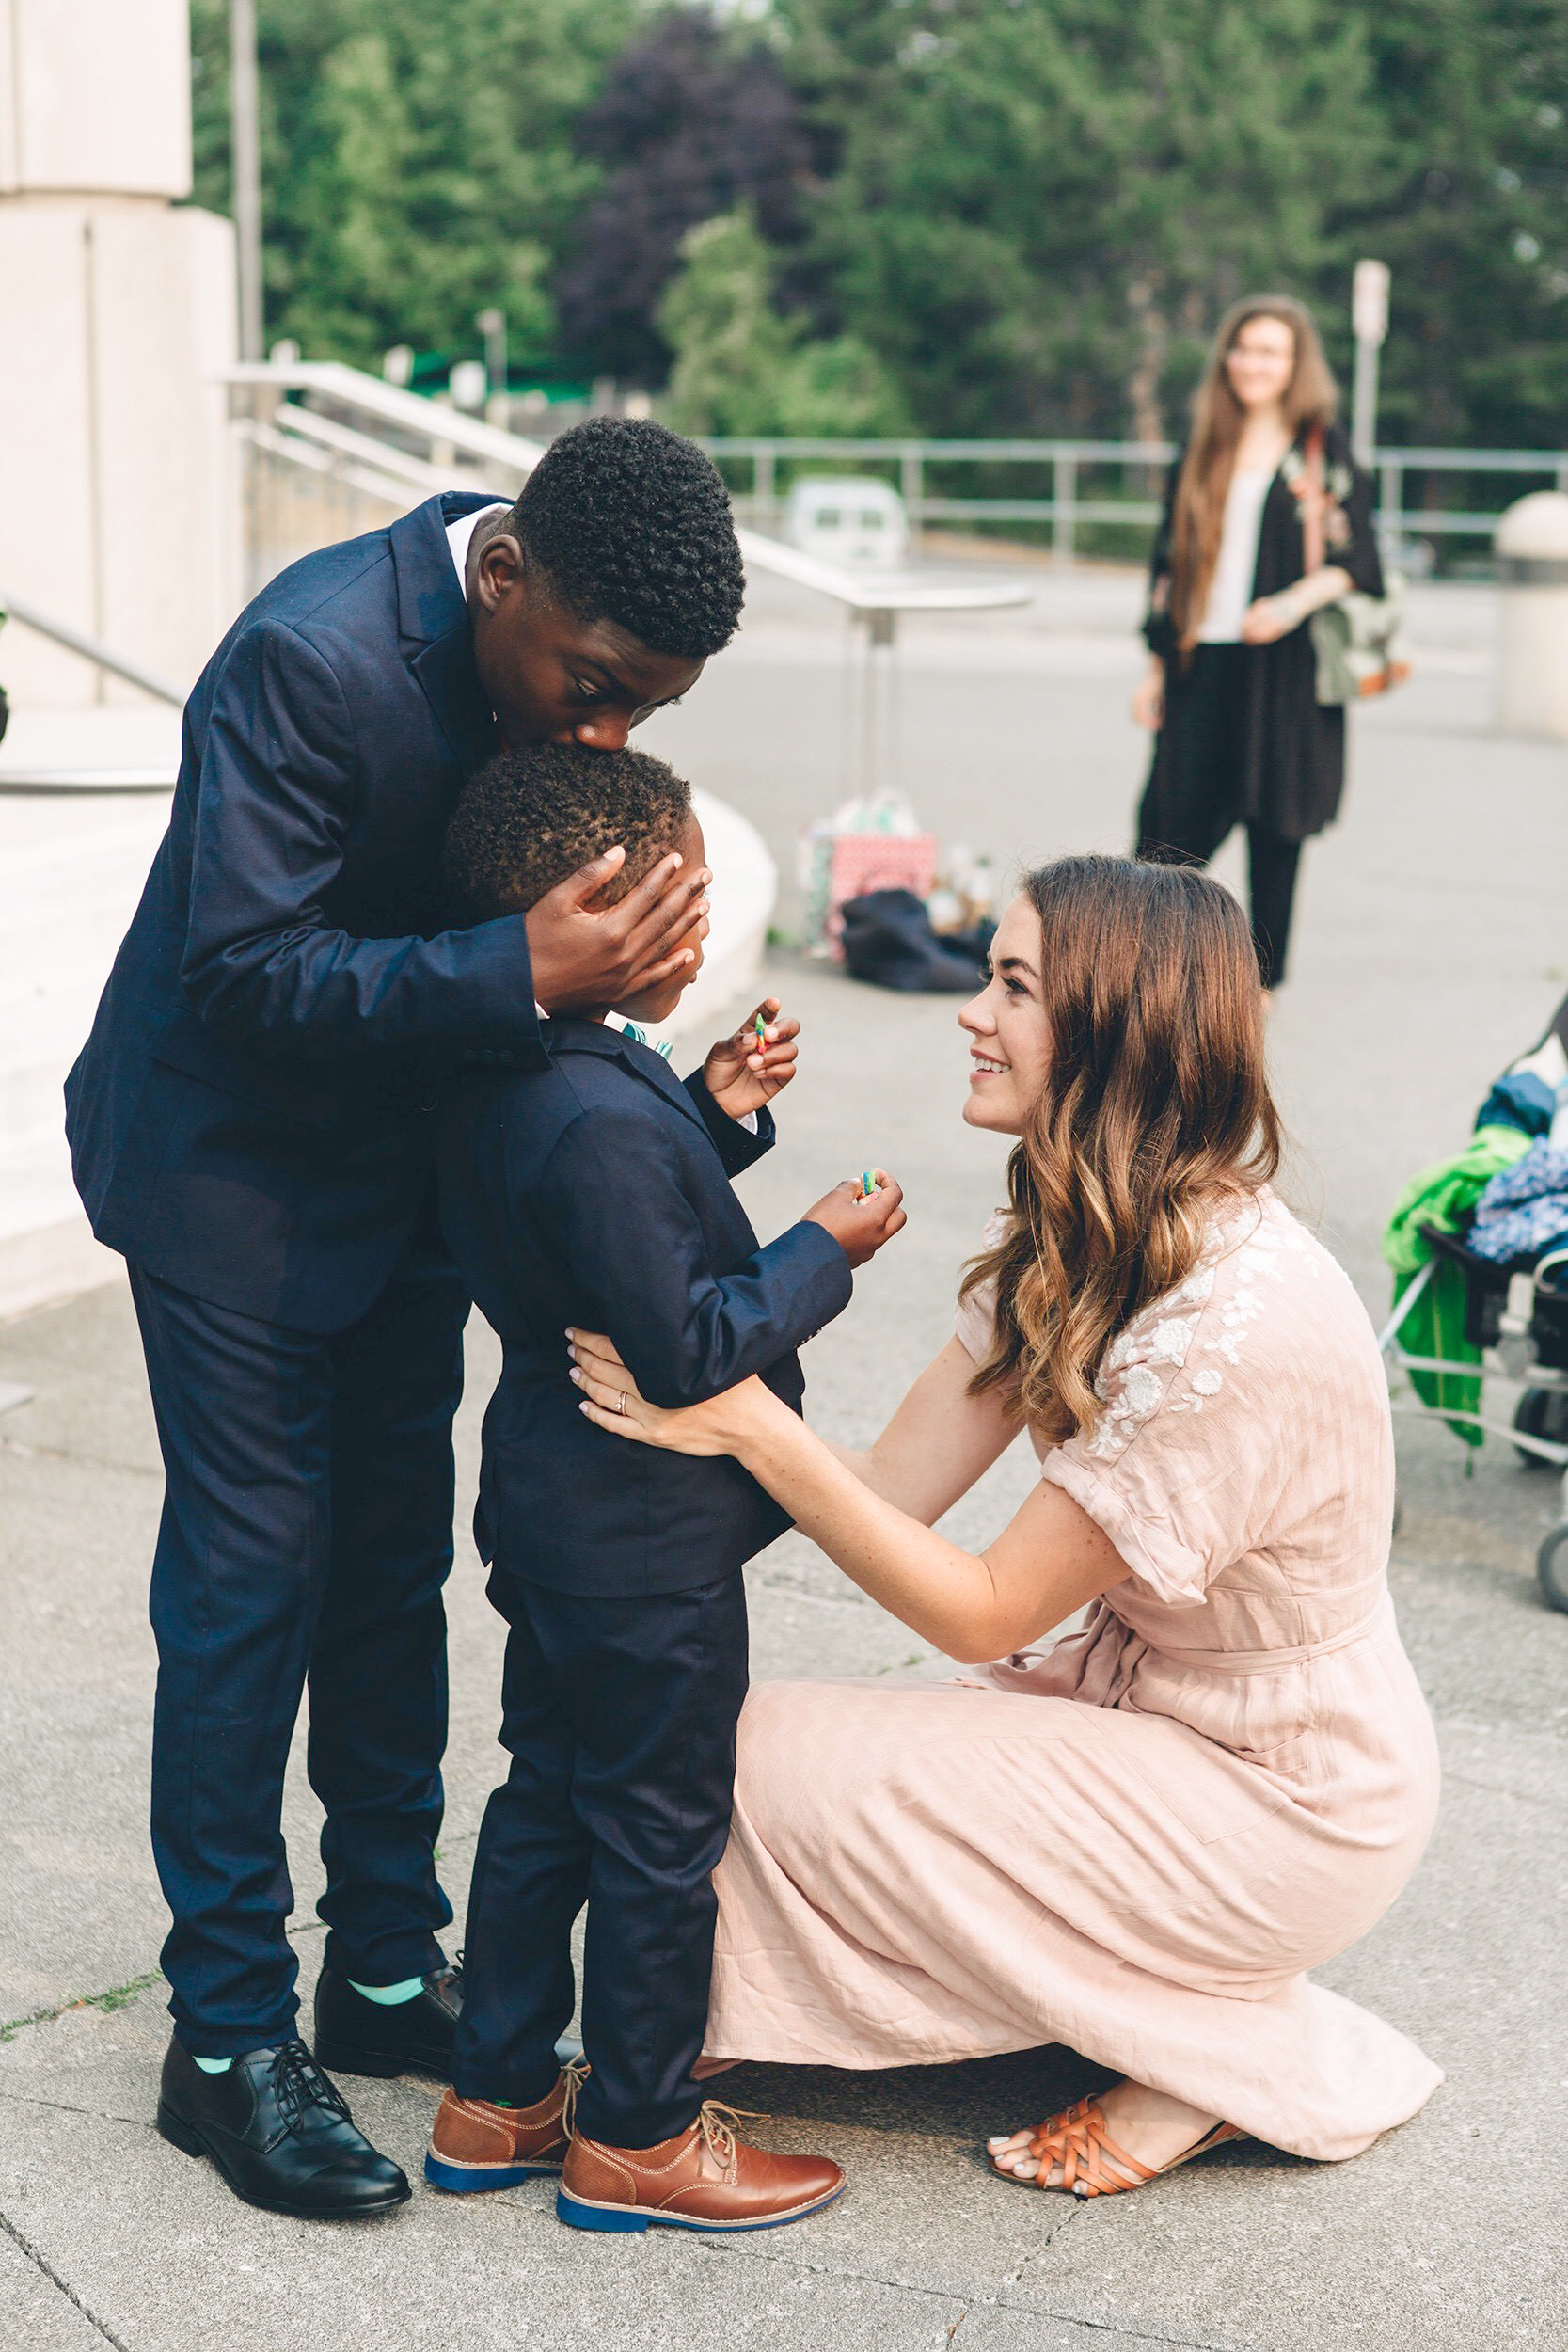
(590, 1192)
(252, 1124)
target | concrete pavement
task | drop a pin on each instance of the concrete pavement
(1432, 946)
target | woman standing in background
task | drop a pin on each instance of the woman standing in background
(1265, 483)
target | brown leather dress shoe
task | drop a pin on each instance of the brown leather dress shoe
(475, 2145)
(706, 2178)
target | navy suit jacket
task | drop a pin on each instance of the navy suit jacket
(590, 1192)
(252, 1118)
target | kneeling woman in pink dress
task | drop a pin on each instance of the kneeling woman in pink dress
(1135, 1838)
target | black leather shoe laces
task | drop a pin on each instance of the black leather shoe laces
(299, 2085)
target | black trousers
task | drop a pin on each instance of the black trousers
(307, 1535)
(620, 1717)
(1195, 792)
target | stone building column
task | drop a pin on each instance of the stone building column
(119, 488)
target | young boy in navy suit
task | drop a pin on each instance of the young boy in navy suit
(590, 1192)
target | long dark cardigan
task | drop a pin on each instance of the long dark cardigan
(1293, 747)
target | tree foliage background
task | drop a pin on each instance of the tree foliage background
(958, 217)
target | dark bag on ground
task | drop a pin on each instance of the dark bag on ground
(888, 940)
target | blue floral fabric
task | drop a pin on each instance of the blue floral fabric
(1524, 1211)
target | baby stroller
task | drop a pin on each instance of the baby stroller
(1480, 1250)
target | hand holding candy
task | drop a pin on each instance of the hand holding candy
(745, 1072)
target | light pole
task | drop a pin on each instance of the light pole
(245, 164)
(492, 325)
(1368, 314)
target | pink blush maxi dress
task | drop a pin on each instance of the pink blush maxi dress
(1137, 1839)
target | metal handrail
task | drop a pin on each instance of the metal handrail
(1064, 510)
(384, 480)
(442, 429)
(93, 650)
(45, 780)
(1127, 452)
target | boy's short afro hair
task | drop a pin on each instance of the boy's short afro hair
(633, 525)
(530, 818)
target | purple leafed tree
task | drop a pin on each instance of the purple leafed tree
(693, 120)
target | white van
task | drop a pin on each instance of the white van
(848, 519)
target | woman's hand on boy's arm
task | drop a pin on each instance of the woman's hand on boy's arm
(611, 1398)
(745, 1072)
(1049, 1561)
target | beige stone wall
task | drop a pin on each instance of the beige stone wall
(118, 501)
(95, 97)
(119, 511)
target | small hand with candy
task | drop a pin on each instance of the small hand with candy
(862, 1213)
(745, 1072)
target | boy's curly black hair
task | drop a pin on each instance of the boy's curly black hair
(633, 525)
(530, 818)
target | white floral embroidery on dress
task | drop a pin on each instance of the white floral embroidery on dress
(1128, 1385)
(1258, 1257)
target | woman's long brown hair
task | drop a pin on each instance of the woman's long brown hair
(1155, 1107)
(1311, 397)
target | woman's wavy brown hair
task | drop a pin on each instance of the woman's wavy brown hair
(1155, 1104)
(1310, 398)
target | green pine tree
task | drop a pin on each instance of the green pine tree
(417, 163)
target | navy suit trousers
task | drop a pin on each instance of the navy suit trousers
(620, 1720)
(306, 1535)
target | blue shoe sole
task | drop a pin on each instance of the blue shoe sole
(465, 2180)
(626, 2221)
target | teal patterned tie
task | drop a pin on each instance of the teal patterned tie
(640, 1037)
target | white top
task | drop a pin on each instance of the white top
(460, 533)
(1230, 590)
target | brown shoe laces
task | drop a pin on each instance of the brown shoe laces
(718, 2122)
(573, 2076)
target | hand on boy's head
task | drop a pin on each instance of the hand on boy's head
(587, 957)
(744, 1072)
(858, 1222)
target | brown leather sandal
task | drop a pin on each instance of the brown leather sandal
(1079, 2142)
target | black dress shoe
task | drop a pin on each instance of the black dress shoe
(358, 2037)
(279, 2133)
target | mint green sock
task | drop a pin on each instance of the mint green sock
(214, 2066)
(390, 1995)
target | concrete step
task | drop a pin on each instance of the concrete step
(71, 868)
(36, 1189)
(70, 949)
(101, 738)
(72, 875)
(43, 1036)
(46, 1251)
(56, 849)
